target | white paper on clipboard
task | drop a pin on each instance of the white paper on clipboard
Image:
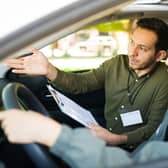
(71, 108)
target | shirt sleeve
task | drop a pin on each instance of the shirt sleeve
(80, 82)
(80, 149)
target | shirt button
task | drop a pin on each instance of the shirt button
(110, 129)
(116, 118)
(122, 106)
(136, 80)
(131, 147)
(148, 76)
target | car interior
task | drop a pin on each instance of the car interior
(30, 92)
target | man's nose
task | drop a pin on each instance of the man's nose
(133, 51)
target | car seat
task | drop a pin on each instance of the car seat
(161, 133)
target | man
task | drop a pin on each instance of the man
(135, 85)
(73, 145)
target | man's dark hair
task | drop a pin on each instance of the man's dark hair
(159, 27)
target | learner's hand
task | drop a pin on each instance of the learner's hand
(29, 127)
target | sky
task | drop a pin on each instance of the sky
(16, 13)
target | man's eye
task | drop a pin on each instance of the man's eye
(144, 49)
(131, 42)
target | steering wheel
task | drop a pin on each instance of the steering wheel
(16, 95)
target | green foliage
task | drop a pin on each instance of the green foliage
(121, 25)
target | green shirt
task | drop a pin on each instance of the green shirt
(149, 94)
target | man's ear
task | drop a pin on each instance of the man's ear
(162, 54)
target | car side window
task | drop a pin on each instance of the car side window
(88, 48)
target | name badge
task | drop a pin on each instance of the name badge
(131, 118)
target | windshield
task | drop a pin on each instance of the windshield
(17, 13)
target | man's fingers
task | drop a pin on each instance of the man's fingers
(35, 51)
(91, 125)
(13, 61)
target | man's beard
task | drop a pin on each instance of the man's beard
(144, 66)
